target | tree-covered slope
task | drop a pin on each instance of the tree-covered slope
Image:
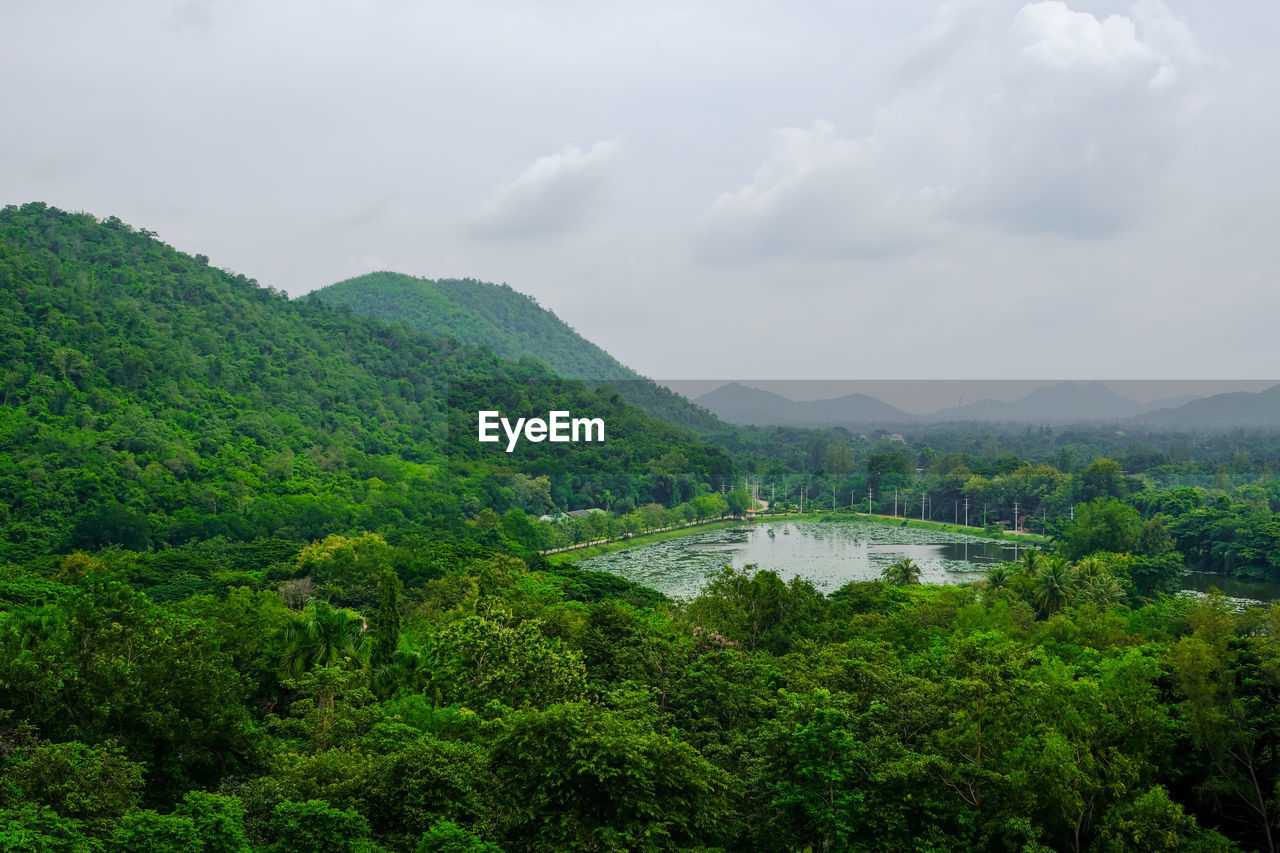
(148, 398)
(511, 324)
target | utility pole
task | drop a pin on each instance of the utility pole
(922, 506)
(868, 500)
(1015, 517)
(895, 502)
(957, 509)
(966, 512)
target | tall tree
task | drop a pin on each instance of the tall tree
(386, 631)
(323, 635)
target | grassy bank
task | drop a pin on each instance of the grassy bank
(892, 521)
(636, 541)
(1007, 536)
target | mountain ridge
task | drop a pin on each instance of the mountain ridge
(1060, 403)
(511, 324)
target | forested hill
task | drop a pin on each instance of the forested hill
(514, 326)
(510, 323)
(148, 398)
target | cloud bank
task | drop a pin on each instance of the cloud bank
(559, 193)
(1063, 123)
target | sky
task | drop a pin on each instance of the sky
(843, 190)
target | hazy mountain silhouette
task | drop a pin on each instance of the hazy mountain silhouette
(1239, 408)
(742, 404)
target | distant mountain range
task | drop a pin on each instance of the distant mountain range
(742, 404)
(1064, 402)
(1061, 403)
(1241, 408)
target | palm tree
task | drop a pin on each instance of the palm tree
(902, 573)
(1096, 585)
(323, 635)
(408, 667)
(35, 625)
(998, 576)
(1031, 560)
(1055, 585)
(1089, 567)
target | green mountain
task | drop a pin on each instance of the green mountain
(511, 324)
(149, 399)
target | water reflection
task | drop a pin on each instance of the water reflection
(1244, 590)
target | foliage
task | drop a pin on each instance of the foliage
(447, 837)
(315, 827)
(902, 572)
(148, 832)
(252, 597)
(592, 778)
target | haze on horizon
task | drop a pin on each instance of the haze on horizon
(962, 189)
(938, 396)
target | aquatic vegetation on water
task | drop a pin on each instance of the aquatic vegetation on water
(830, 554)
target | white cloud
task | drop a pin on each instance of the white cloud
(1044, 120)
(558, 193)
(819, 195)
(1063, 39)
(1088, 119)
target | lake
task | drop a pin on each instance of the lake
(831, 554)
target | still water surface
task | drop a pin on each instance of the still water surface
(831, 554)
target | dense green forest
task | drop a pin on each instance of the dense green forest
(262, 590)
(511, 324)
(514, 326)
(150, 399)
(369, 695)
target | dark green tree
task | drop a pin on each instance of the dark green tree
(386, 630)
(902, 572)
(314, 826)
(148, 832)
(1103, 524)
(448, 837)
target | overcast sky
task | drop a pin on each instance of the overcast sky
(737, 189)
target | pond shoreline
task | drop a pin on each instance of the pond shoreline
(827, 550)
(587, 550)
